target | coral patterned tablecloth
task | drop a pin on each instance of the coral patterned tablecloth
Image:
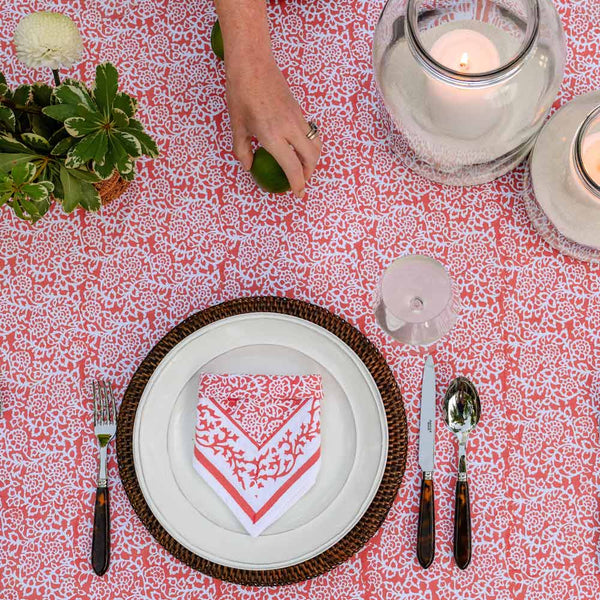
(87, 295)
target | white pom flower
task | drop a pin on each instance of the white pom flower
(48, 39)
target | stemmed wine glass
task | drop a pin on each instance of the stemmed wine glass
(417, 303)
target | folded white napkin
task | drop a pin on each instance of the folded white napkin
(258, 442)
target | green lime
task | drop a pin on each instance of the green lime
(216, 40)
(267, 173)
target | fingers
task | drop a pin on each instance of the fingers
(242, 147)
(308, 151)
(289, 161)
(296, 154)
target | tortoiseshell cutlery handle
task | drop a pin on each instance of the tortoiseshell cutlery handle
(426, 529)
(101, 539)
(462, 525)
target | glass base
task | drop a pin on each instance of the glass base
(548, 231)
(464, 175)
(415, 334)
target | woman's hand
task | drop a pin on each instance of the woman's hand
(261, 105)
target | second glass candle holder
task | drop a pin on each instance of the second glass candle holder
(562, 185)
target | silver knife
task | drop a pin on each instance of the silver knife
(426, 528)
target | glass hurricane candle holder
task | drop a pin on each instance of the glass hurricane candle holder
(562, 187)
(467, 83)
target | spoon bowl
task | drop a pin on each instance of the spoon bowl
(462, 407)
(462, 410)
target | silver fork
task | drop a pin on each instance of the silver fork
(105, 427)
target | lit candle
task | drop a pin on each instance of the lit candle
(464, 112)
(590, 156)
(466, 51)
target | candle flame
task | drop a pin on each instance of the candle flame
(464, 61)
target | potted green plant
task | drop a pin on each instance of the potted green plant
(67, 143)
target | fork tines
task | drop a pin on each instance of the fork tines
(105, 411)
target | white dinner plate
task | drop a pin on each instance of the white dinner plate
(354, 440)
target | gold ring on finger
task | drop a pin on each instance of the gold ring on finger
(314, 131)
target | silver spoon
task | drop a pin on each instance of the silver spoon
(462, 409)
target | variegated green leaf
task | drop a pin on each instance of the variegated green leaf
(23, 173)
(57, 193)
(9, 161)
(2, 78)
(149, 147)
(8, 143)
(44, 206)
(90, 198)
(48, 185)
(35, 141)
(126, 169)
(42, 93)
(84, 149)
(68, 94)
(62, 147)
(61, 112)
(84, 175)
(106, 87)
(101, 148)
(135, 124)
(38, 191)
(19, 211)
(5, 183)
(71, 190)
(125, 103)
(72, 161)
(22, 95)
(106, 169)
(91, 147)
(36, 208)
(129, 142)
(5, 91)
(122, 159)
(128, 174)
(7, 118)
(76, 83)
(73, 94)
(30, 207)
(79, 126)
(120, 119)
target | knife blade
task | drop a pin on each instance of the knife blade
(427, 423)
(426, 527)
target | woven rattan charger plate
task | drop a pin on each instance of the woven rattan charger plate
(369, 523)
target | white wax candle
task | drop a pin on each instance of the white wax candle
(466, 51)
(590, 156)
(460, 111)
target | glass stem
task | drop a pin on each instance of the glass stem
(56, 77)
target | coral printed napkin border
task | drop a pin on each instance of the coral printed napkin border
(258, 442)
